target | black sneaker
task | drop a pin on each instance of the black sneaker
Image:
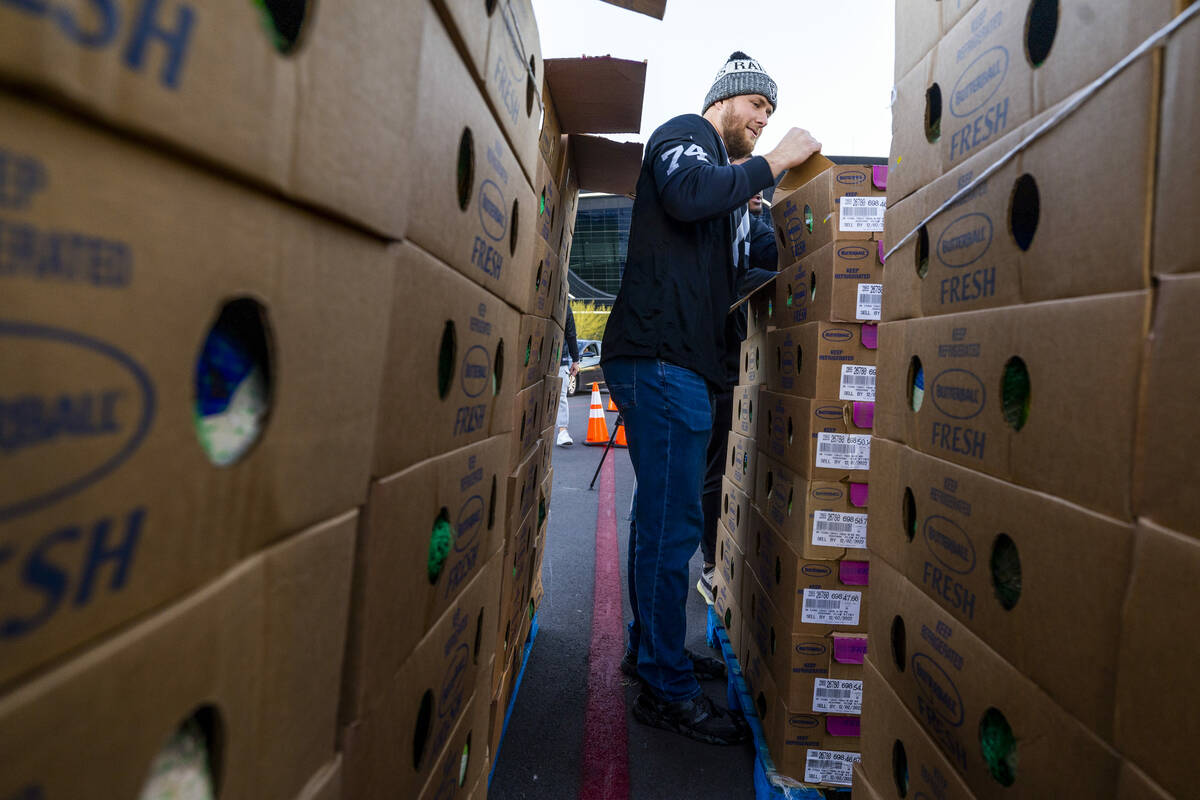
(698, 718)
(703, 667)
(705, 584)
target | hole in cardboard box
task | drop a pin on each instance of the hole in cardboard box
(933, 113)
(466, 168)
(745, 462)
(490, 6)
(778, 571)
(728, 618)
(537, 277)
(733, 458)
(421, 729)
(284, 22)
(779, 359)
(760, 703)
(1041, 26)
(464, 762)
(233, 382)
(725, 502)
(812, 287)
(769, 419)
(737, 515)
(528, 350)
(999, 747)
(191, 755)
(541, 510)
(757, 358)
(1015, 393)
(478, 638)
(498, 370)
(512, 234)
(922, 251)
(1006, 571)
(772, 643)
(799, 359)
(910, 514)
(750, 411)
(770, 483)
(790, 432)
(900, 768)
(531, 88)
(440, 540)
(782, 241)
(808, 218)
(790, 292)
(791, 499)
(542, 203)
(916, 384)
(1024, 210)
(491, 523)
(770, 308)
(521, 432)
(899, 643)
(447, 356)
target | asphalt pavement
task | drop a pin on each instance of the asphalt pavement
(544, 746)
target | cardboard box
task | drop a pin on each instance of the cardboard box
(397, 599)
(1024, 234)
(526, 424)
(515, 585)
(899, 757)
(452, 372)
(326, 783)
(470, 204)
(725, 604)
(753, 369)
(813, 597)
(208, 79)
(960, 689)
(862, 788)
(254, 657)
(1134, 785)
(1176, 238)
(1158, 703)
(546, 449)
(735, 511)
(731, 563)
(819, 439)
(551, 143)
(543, 507)
(809, 201)
(1168, 430)
(541, 289)
(840, 282)
(741, 462)
(550, 202)
(759, 308)
(554, 349)
(823, 360)
(429, 694)
(1073, 368)
(977, 546)
(745, 403)
(522, 492)
(551, 392)
(465, 759)
(118, 264)
(818, 519)
(918, 28)
(533, 352)
(981, 81)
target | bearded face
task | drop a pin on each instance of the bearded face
(742, 119)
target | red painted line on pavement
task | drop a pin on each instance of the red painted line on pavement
(605, 773)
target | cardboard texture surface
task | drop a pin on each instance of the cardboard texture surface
(1050, 605)
(551, 144)
(597, 94)
(740, 462)
(428, 695)
(1158, 701)
(735, 511)
(534, 351)
(817, 519)
(545, 186)
(526, 424)
(465, 759)
(745, 406)
(207, 78)
(452, 371)
(898, 756)
(731, 563)
(959, 688)
(981, 82)
(753, 363)
(1035, 229)
(725, 604)
(513, 78)
(811, 360)
(470, 204)
(326, 783)
(522, 488)
(819, 439)
(840, 282)
(759, 308)
(397, 598)
(515, 586)
(1169, 431)
(1134, 785)
(862, 788)
(806, 209)
(1075, 412)
(256, 653)
(1177, 204)
(604, 165)
(918, 28)
(544, 282)
(112, 282)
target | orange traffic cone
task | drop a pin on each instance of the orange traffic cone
(619, 439)
(611, 405)
(597, 426)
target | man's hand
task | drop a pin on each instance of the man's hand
(574, 368)
(795, 148)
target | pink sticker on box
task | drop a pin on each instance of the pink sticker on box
(854, 573)
(849, 649)
(870, 336)
(879, 176)
(882, 253)
(858, 495)
(863, 414)
(843, 726)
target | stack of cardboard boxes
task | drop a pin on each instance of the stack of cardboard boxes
(1029, 461)
(329, 605)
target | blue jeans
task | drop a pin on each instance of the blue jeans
(668, 418)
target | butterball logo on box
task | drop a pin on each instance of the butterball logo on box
(937, 689)
(829, 412)
(828, 494)
(470, 523)
(62, 439)
(795, 229)
(837, 335)
(958, 394)
(492, 213)
(476, 366)
(979, 82)
(811, 649)
(853, 253)
(965, 240)
(803, 722)
(816, 571)
(950, 545)
(852, 178)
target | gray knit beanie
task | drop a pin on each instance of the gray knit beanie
(741, 75)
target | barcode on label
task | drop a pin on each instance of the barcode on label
(858, 383)
(833, 693)
(830, 766)
(870, 301)
(862, 214)
(854, 211)
(843, 450)
(832, 696)
(831, 607)
(834, 529)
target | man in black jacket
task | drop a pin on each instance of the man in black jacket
(664, 350)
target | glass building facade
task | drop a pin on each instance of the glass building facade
(599, 247)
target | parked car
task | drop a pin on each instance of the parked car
(589, 368)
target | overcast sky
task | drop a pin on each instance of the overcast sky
(832, 59)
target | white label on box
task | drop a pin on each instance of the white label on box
(834, 529)
(831, 607)
(844, 450)
(837, 697)
(870, 301)
(830, 766)
(858, 383)
(862, 214)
